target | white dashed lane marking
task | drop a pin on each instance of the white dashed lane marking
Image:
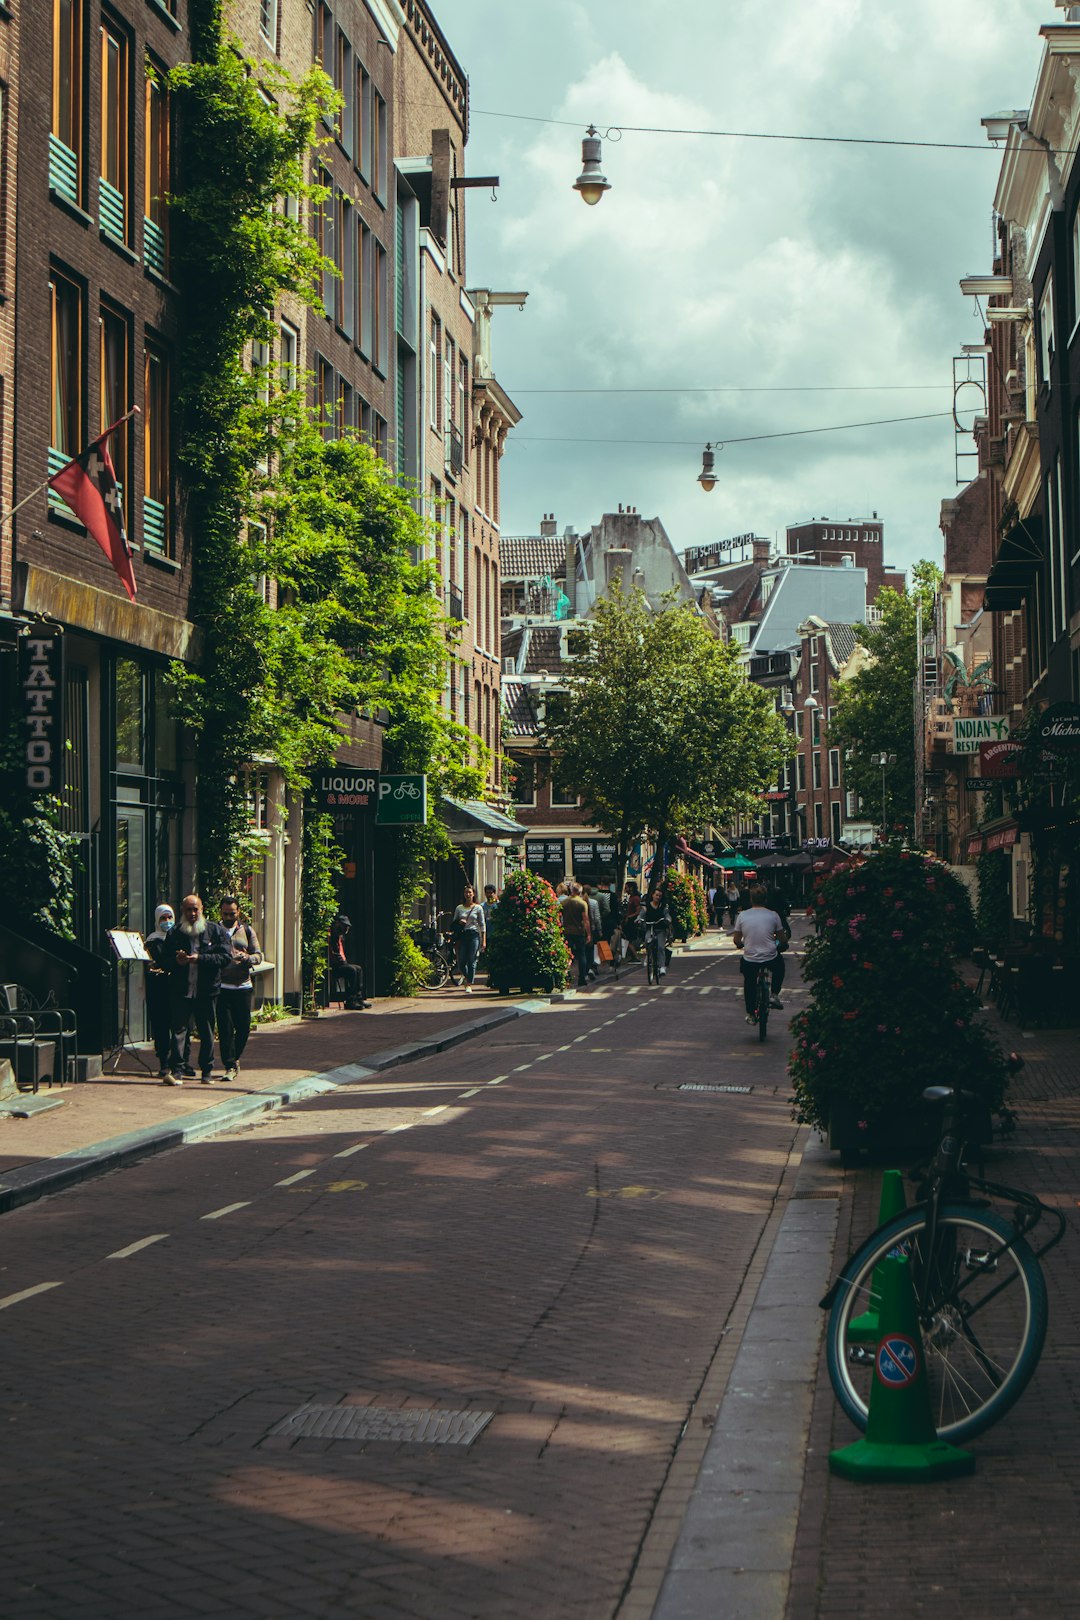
(299, 1176)
(133, 1248)
(471, 1093)
(346, 1153)
(27, 1293)
(216, 1214)
(429, 1113)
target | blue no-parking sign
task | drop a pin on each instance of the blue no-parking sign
(897, 1361)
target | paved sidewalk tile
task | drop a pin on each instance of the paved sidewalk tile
(1002, 1544)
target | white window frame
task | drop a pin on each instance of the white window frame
(1046, 330)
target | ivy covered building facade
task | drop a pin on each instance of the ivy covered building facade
(102, 331)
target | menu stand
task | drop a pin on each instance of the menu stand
(127, 947)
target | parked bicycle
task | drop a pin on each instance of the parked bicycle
(979, 1287)
(439, 953)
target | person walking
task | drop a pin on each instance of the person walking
(350, 973)
(629, 928)
(576, 930)
(757, 934)
(470, 935)
(731, 900)
(490, 902)
(193, 955)
(588, 894)
(237, 987)
(158, 1000)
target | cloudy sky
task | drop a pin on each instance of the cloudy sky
(720, 280)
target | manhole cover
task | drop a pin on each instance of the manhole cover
(690, 1086)
(419, 1425)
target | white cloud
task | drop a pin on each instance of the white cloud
(722, 262)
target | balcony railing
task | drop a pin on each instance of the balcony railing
(154, 247)
(63, 170)
(155, 525)
(455, 606)
(112, 210)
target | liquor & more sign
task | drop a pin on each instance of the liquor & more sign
(41, 682)
(394, 800)
(968, 734)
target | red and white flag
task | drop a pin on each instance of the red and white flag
(88, 485)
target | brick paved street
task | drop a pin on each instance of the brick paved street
(539, 1224)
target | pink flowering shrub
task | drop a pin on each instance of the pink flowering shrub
(526, 948)
(873, 1036)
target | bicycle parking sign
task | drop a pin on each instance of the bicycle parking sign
(897, 1361)
(402, 800)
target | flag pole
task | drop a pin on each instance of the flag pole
(7, 516)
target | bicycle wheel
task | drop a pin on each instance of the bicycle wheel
(983, 1317)
(438, 971)
(652, 962)
(763, 992)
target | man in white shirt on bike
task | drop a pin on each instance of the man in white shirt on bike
(756, 934)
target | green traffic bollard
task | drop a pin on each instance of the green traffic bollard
(864, 1329)
(901, 1442)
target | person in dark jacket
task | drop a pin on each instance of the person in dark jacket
(350, 974)
(158, 998)
(193, 955)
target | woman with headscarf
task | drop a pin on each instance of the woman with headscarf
(157, 991)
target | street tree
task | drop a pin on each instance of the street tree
(875, 708)
(658, 730)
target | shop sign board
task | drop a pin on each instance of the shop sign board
(969, 733)
(544, 852)
(343, 791)
(1000, 759)
(393, 800)
(980, 784)
(402, 800)
(41, 682)
(592, 852)
(1059, 728)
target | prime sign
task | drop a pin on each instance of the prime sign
(41, 682)
(968, 734)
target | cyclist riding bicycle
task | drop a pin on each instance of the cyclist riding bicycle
(756, 933)
(655, 919)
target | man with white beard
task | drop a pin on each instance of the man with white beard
(193, 955)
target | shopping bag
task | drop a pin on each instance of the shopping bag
(603, 951)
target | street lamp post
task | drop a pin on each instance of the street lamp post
(885, 761)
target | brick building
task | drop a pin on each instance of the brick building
(402, 356)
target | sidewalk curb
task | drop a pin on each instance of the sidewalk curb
(30, 1182)
(735, 1548)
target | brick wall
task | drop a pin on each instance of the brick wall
(9, 83)
(69, 238)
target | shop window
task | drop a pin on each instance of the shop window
(166, 729)
(129, 709)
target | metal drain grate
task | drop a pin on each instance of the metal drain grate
(690, 1086)
(419, 1425)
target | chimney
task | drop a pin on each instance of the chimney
(762, 549)
(548, 525)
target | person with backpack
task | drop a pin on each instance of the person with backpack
(237, 987)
